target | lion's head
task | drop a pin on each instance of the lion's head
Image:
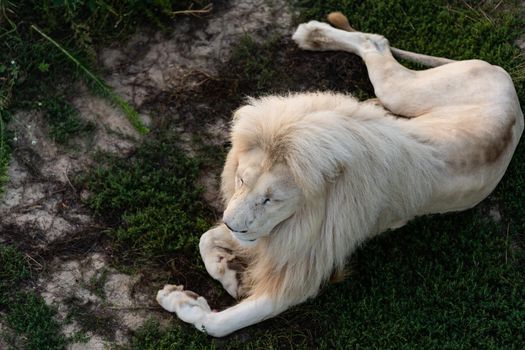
(265, 194)
(286, 152)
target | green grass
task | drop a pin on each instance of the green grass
(47, 46)
(30, 317)
(151, 201)
(56, 41)
(29, 321)
(443, 282)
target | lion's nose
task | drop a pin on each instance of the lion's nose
(233, 230)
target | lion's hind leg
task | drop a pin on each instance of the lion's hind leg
(402, 91)
(218, 251)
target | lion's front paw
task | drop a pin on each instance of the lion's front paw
(188, 306)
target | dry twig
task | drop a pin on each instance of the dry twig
(203, 11)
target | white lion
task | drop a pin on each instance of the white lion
(311, 176)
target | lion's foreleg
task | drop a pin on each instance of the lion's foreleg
(194, 309)
(218, 251)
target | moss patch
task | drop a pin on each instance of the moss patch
(29, 316)
(151, 200)
(29, 320)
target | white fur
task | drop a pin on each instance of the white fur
(311, 176)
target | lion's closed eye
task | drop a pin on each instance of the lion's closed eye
(239, 181)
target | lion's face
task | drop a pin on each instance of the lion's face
(262, 198)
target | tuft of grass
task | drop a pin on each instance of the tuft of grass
(151, 200)
(277, 66)
(97, 282)
(258, 67)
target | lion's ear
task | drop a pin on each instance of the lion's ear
(228, 175)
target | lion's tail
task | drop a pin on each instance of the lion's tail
(338, 20)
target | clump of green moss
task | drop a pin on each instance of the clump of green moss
(26, 313)
(30, 316)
